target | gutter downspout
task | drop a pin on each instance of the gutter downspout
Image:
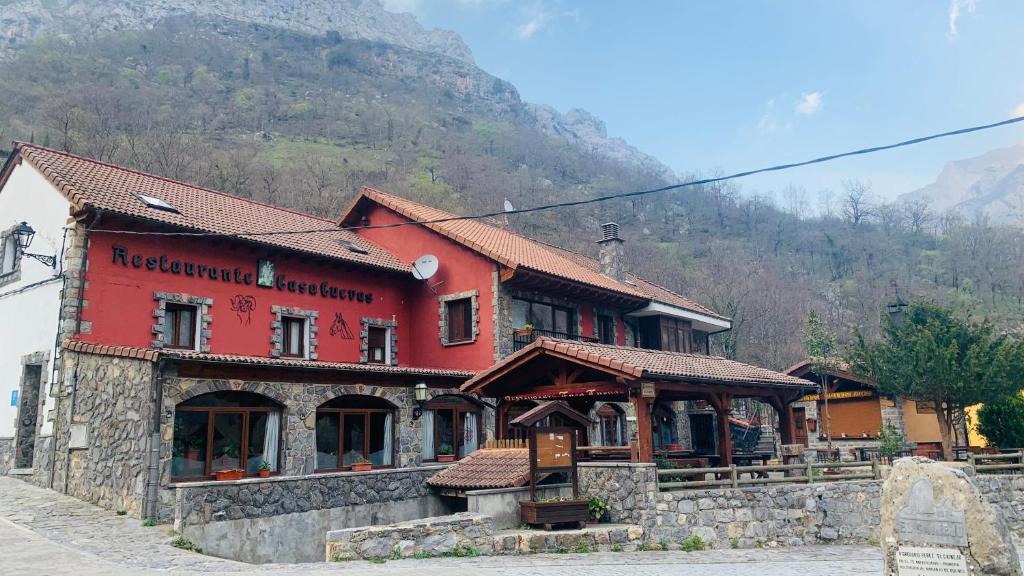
(78, 330)
(151, 506)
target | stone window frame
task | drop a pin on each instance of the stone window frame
(364, 334)
(277, 328)
(442, 310)
(203, 318)
(15, 274)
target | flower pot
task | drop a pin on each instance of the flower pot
(446, 457)
(549, 513)
(192, 454)
(230, 474)
(264, 472)
(362, 467)
(674, 447)
(523, 332)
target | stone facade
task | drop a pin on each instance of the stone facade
(442, 312)
(206, 502)
(6, 455)
(203, 318)
(111, 399)
(364, 334)
(630, 489)
(31, 402)
(469, 534)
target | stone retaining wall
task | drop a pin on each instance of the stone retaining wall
(6, 455)
(780, 515)
(470, 535)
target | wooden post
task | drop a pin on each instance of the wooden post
(723, 405)
(787, 421)
(644, 429)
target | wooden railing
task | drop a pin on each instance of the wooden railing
(1009, 462)
(731, 476)
(504, 443)
(521, 340)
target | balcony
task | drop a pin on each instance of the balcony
(521, 340)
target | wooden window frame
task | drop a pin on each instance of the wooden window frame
(573, 319)
(602, 319)
(172, 322)
(344, 413)
(243, 457)
(386, 361)
(466, 321)
(286, 329)
(456, 409)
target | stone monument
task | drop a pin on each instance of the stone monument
(935, 522)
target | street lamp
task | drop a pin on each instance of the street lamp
(420, 394)
(24, 234)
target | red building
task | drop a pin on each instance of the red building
(202, 332)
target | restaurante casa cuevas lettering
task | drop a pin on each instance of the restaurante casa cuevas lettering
(236, 275)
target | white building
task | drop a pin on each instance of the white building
(30, 291)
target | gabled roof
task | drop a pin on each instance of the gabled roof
(486, 468)
(154, 355)
(638, 363)
(90, 184)
(547, 408)
(515, 251)
(805, 368)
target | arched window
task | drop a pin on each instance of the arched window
(355, 430)
(663, 420)
(224, 431)
(451, 425)
(613, 425)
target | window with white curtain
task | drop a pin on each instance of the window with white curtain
(451, 425)
(352, 429)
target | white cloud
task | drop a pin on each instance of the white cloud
(955, 7)
(810, 103)
(539, 16)
(400, 5)
(526, 30)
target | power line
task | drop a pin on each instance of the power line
(701, 182)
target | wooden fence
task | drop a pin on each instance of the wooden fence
(732, 476)
(1006, 463)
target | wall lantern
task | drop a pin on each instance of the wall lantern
(420, 394)
(23, 234)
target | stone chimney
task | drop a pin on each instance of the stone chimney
(613, 255)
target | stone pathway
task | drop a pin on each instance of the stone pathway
(48, 533)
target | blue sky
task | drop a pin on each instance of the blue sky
(731, 85)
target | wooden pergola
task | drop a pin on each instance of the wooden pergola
(554, 369)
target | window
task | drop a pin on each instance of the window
(157, 203)
(606, 329)
(451, 422)
(663, 420)
(612, 425)
(223, 431)
(293, 337)
(377, 345)
(460, 320)
(350, 429)
(9, 256)
(180, 326)
(661, 333)
(546, 317)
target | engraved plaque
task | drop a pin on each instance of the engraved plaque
(921, 521)
(915, 561)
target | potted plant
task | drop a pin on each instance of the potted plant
(526, 330)
(361, 464)
(598, 508)
(555, 511)
(192, 445)
(445, 453)
(264, 469)
(674, 447)
(230, 474)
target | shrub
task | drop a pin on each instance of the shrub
(890, 441)
(598, 507)
(694, 543)
(149, 522)
(583, 547)
(1002, 422)
(186, 544)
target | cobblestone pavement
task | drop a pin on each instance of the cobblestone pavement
(48, 533)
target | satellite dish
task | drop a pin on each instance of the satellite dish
(424, 267)
(508, 206)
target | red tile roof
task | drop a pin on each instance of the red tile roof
(153, 355)
(92, 184)
(636, 363)
(515, 251)
(486, 468)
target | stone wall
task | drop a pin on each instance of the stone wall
(285, 519)
(630, 489)
(6, 455)
(470, 534)
(1005, 492)
(113, 408)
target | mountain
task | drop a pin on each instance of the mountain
(991, 184)
(23, 21)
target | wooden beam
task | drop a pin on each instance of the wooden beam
(722, 404)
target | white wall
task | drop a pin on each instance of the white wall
(30, 307)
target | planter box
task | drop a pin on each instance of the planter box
(362, 467)
(446, 458)
(234, 474)
(550, 513)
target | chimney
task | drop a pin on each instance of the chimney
(613, 256)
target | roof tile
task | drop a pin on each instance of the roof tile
(486, 468)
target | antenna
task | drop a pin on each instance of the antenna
(424, 267)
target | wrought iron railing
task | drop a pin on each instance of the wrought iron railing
(521, 338)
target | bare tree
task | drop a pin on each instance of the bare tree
(857, 205)
(794, 200)
(918, 215)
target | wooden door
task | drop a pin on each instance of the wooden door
(800, 421)
(702, 432)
